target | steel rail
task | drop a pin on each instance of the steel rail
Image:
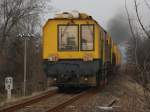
(72, 100)
(29, 101)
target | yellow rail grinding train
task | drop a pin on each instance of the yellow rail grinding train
(77, 51)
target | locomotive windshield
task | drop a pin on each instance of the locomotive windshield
(87, 37)
(68, 37)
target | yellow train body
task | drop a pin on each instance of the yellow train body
(117, 53)
(85, 63)
(50, 40)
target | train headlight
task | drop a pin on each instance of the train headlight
(88, 57)
(50, 59)
(53, 58)
(85, 78)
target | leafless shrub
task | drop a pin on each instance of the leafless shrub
(131, 103)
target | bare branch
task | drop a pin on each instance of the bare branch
(139, 20)
(147, 4)
(139, 50)
(129, 20)
(132, 32)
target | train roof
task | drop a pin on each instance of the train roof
(75, 15)
(72, 15)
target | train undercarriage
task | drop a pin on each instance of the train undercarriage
(75, 73)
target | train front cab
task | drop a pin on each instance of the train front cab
(67, 56)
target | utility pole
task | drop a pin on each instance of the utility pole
(25, 38)
(25, 67)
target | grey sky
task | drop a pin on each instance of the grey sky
(101, 10)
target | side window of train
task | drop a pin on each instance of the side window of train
(68, 37)
(87, 37)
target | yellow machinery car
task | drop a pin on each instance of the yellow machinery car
(76, 50)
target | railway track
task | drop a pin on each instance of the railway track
(61, 106)
(52, 102)
(28, 101)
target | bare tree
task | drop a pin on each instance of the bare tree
(147, 4)
(139, 20)
(14, 15)
(138, 54)
(20, 16)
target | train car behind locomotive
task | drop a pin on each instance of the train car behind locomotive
(77, 51)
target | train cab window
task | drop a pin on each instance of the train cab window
(87, 37)
(68, 37)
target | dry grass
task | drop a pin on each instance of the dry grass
(122, 87)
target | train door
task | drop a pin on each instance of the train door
(99, 72)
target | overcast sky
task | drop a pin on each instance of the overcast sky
(101, 10)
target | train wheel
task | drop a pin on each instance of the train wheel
(102, 78)
(106, 76)
(98, 78)
(106, 80)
